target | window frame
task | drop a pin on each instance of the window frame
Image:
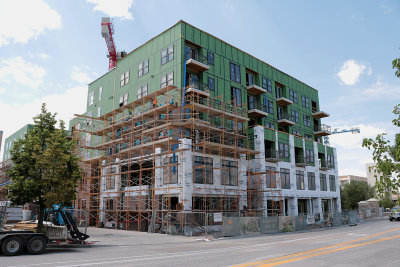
(210, 55)
(300, 180)
(234, 93)
(332, 183)
(235, 72)
(285, 178)
(203, 163)
(283, 150)
(307, 120)
(229, 172)
(270, 177)
(293, 96)
(322, 182)
(311, 181)
(143, 69)
(213, 83)
(91, 98)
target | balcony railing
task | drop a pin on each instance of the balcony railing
(196, 84)
(300, 160)
(272, 155)
(285, 119)
(322, 130)
(196, 62)
(196, 56)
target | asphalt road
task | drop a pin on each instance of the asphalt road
(370, 244)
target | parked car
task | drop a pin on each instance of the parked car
(395, 214)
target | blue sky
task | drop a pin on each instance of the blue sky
(51, 50)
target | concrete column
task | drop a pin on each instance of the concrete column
(259, 163)
(317, 205)
(186, 174)
(292, 165)
(242, 180)
(293, 209)
(158, 172)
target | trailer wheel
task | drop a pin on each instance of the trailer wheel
(36, 245)
(11, 246)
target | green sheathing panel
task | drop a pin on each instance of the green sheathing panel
(321, 148)
(329, 150)
(298, 142)
(110, 82)
(220, 71)
(269, 135)
(9, 141)
(284, 138)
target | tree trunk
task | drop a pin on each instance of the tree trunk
(40, 217)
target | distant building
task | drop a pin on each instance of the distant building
(9, 141)
(345, 179)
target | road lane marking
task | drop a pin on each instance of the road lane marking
(317, 249)
(327, 252)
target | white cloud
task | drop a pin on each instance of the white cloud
(42, 55)
(351, 71)
(22, 20)
(72, 101)
(387, 9)
(115, 8)
(18, 71)
(80, 75)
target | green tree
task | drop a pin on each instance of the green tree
(355, 192)
(45, 169)
(386, 201)
(385, 155)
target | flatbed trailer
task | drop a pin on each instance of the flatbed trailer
(13, 242)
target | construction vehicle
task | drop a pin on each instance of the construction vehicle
(22, 235)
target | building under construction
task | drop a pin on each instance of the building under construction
(187, 125)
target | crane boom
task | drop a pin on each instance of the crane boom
(107, 31)
(354, 130)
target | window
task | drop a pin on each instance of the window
(285, 178)
(249, 79)
(167, 79)
(323, 185)
(295, 115)
(170, 170)
(296, 132)
(283, 150)
(236, 96)
(167, 54)
(229, 173)
(210, 58)
(100, 92)
(305, 101)
(309, 156)
(235, 72)
(269, 125)
(142, 91)
(110, 182)
(143, 68)
(330, 161)
(251, 102)
(124, 78)
(203, 172)
(270, 181)
(293, 95)
(307, 120)
(269, 106)
(211, 84)
(308, 136)
(300, 180)
(98, 111)
(267, 84)
(332, 183)
(91, 98)
(123, 100)
(311, 180)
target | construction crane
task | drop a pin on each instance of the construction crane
(353, 130)
(107, 32)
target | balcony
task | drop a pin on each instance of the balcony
(319, 114)
(272, 155)
(285, 119)
(300, 160)
(256, 110)
(324, 165)
(324, 130)
(256, 90)
(197, 88)
(195, 62)
(283, 101)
